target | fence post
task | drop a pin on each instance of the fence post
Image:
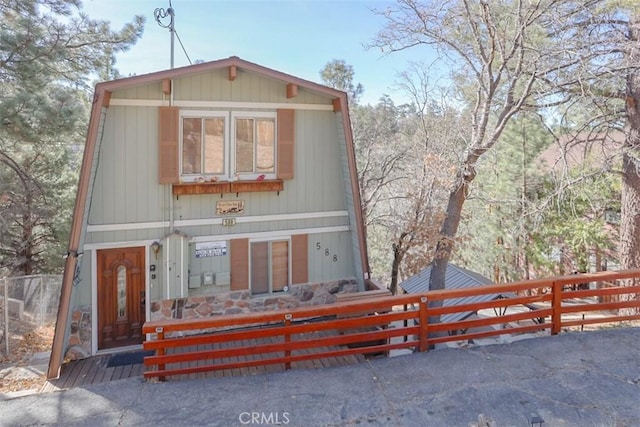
(6, 316)
(41, 304)
(424, 324)
(556, 316)
(287, 339)
(161, 351)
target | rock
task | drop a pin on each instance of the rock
(76, 352)
(306, 296)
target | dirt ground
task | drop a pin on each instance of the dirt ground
(22, 348)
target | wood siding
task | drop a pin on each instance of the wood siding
(239, 264)
(127, 189)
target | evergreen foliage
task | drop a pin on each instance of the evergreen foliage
(50, 51)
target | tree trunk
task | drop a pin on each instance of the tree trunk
(630, 216)
(395, 267)
(444, 247)
(448, 232)
(399, 251)
(630, 204)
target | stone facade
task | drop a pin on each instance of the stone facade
(236, 302)
(80, 334)
(242, 302)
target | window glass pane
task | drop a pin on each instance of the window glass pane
(191, 145)
(265, 156)
(280, 264)
(214, 145)
(260, 268)
(244, 145)
(121, 277)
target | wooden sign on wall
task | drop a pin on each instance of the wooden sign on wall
(224, 207)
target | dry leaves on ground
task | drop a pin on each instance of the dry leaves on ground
(22, 350)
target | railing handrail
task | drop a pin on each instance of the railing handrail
(349, 323)
(377, 303)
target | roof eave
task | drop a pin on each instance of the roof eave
(175, 73)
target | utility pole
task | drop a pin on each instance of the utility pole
(159, 14)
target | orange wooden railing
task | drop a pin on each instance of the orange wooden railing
(364, 326)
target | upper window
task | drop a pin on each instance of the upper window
(203, 145)
(255, 140)
(227, 146)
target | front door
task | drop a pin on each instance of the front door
(121, 298)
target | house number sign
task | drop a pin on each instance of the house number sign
(327, 252)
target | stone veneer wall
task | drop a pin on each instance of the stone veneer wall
(236, 302)
(80, 334)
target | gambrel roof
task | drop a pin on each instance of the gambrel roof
(291, 86)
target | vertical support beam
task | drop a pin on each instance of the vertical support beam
(287, 340)
(556, 315)
(160, 352)
(6, 316)
(424, 324)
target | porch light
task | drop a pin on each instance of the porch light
(155, 247)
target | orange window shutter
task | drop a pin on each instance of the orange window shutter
(299, 259)
(286, 139)
(239, 258)
(168, 124)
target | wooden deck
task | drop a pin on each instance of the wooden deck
(94, 370)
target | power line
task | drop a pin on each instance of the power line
(181, 45)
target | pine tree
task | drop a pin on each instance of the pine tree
(49, 53)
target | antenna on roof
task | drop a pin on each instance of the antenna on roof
(160, 14)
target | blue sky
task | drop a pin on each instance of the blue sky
(297, 37)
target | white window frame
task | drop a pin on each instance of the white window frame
(253, 115)
(229, 144)
(270, 240)
(200, 114)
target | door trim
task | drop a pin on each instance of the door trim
(94, 284)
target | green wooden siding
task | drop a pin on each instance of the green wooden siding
(126, 189)
(128, 160)
(245, 88)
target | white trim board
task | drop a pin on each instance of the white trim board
(94, 301)
(196, 239)
(271, 234)
(122, 102)
(116, 245)
(127, 226)
(214, 221)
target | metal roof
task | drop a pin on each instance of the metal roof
(455, 278)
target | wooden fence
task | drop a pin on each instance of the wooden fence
(368, 325)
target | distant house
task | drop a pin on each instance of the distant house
(219, 188)
(455, 278)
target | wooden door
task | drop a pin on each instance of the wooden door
(121, 297)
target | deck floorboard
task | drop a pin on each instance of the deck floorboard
(94, 369)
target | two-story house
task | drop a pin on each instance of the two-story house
(218, 188)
